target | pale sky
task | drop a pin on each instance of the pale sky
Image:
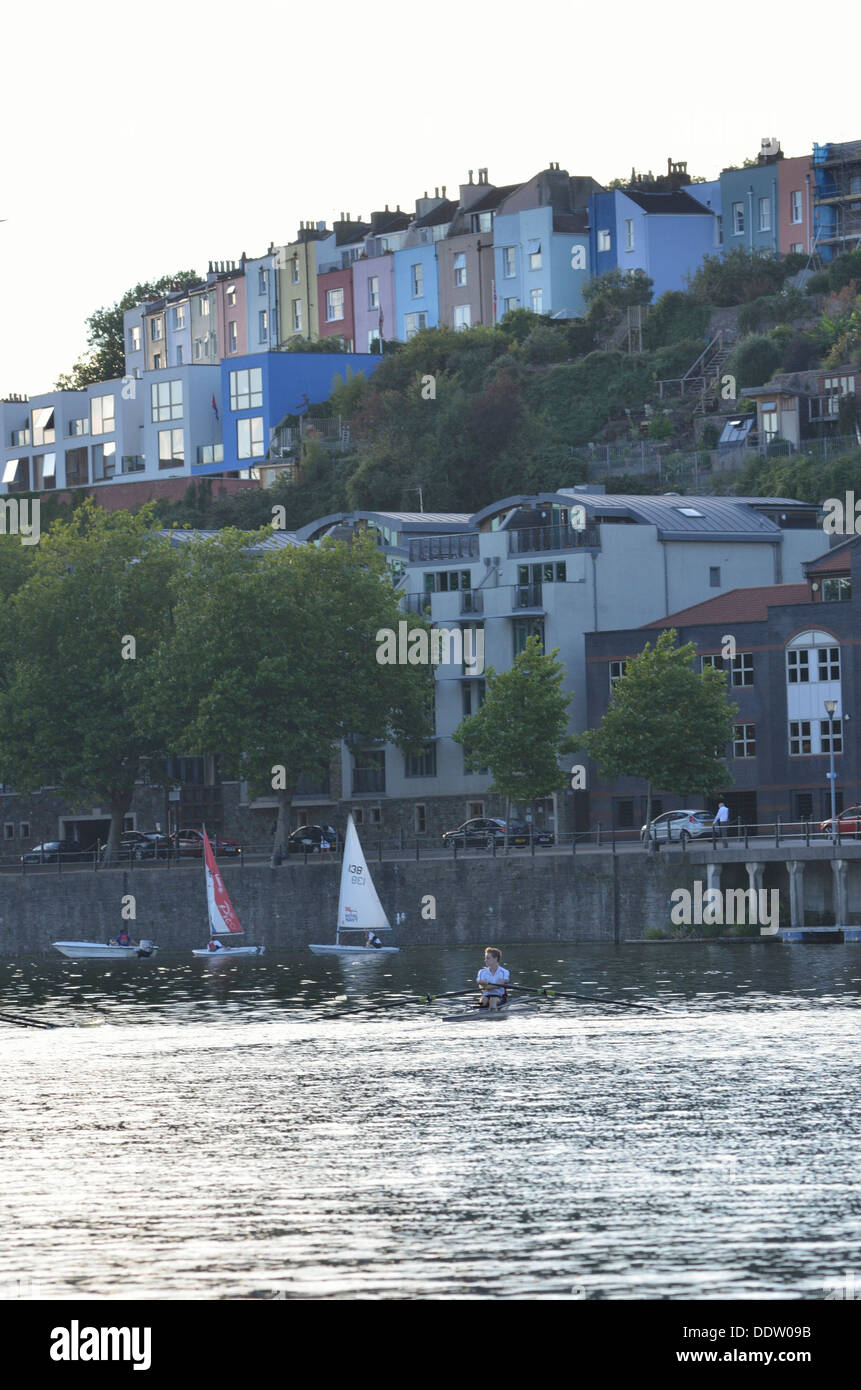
(136, 140)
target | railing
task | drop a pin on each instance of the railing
(527, 596)
(471, 601)
(329, 429)
(132, 463)
(309, 786)
(554, 537)
(456, 547)
(416, 603)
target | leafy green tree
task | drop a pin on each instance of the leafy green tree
(273, 660)
(737, 278)
(754, 360)
(519, 731)
(105, 360)
(665, 721)
(676, 318)
(607, 296)
(77, 642)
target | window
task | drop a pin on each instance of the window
(509, 262)
(617, 671)
(797, 667)
(836, 590)
(472, 693)
(249, 438)
(204, 305)
(797, 246)
(262, 281)
(297, 316)
(714, 576)
(9, 830)
(799, 737)
(166, 400)
(79, 426)
(795, 206)
(263, 325)
(246, 389)
(373, 291)
(232, 340)
(230, 295)
(510, 304)
(44, 471)
(334, 305)
(373, 337)
(294, 270)
(825, 736)
(604, 240)
(829, 663)
(43, 425)
(769, 424)
(156, 361)
(447, 581)
(414, 323)
(623, 807)
(738, 219)
(461, 316)
(24, 830)
(629, 233)
(744, 741)
(765, 214)
(421, 764)
(524, 628)
(421, 823)
(102, 415)
(178, 316)
(156, 330)
(460, 268)
(536, 300)
(16, 474)
(417, 280)
(711, 660)
(481, 222)
(104, 461)
(77, 467)
(741, 671)
(535, 255)
(171, 451)
(135, 338)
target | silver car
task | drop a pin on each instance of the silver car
(678, 826)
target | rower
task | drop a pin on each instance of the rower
(492, 980)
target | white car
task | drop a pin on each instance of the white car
(678, 826)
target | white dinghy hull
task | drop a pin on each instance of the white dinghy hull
(354, 950)
(97, 950)
(229, 951)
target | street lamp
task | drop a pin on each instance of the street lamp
(830, 710)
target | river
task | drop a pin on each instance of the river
(261, 1129)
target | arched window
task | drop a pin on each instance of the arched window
(812, 678)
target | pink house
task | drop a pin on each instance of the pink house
(229, 291)
(794, 204)
(374, 300)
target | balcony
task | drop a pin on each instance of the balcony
(416, 603)
(471, 601)
(528, 596)
(132, 463)
(312, 786)
(367, 780)
(530, 539)
(458, 547)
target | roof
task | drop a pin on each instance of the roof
(422, 523)
(714, 518)
(491, 199)
(279, 540)
(837, 560)
(570, 222)
(736, 606)
(668, 203)
(443, 212)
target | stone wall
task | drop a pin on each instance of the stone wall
(477, 900)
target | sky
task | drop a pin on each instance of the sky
(141, 140)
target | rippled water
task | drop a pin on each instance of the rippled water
(239, 1130)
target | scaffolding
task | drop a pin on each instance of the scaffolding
(837, 198)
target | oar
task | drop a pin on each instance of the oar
(24, 1022)
(548, 992)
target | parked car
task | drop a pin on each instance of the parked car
(52, 850)
(680, 826)
(519, 834)
(190, 842)
(142, 844)
(481, 830)
(316, 839)
(848, 822)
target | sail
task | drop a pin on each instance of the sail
(359, 908)
(222, 914)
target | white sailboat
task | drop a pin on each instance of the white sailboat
(223, 920)
(359, 909)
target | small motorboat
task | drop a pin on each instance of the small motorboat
(104, 950)
(223, 920)
(360, 912)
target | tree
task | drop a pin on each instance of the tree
(607, 295)
(106, 359)
(664, 722)
(737, 278)
(519, 731)
(76, 648)
(273, 659)
(754, 360)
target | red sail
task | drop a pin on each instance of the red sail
(222, 914)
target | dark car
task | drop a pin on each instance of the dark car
(313, 839)
(52, 850)
(142, 844)
(190, 842)
(520, 833)
(481, 830)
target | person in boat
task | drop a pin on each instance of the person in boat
(492, 980)
(371, 939)
(215, 944)
(122, 938)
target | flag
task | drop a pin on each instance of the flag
(381, 323)
(214, 406)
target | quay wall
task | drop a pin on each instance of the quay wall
(477, 901)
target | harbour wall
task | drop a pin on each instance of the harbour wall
(474, 901)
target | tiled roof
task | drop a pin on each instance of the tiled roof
(675, 203)
(737, 606)
(838, 560)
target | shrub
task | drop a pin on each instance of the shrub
(736, 278)
(660, 427)
(545, 344)
(754, 361)
(676, 318)
(818, 283)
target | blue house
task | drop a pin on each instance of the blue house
(665, 234)
(749, 201)
(541, 262)
(416, 291)
(258, 390)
